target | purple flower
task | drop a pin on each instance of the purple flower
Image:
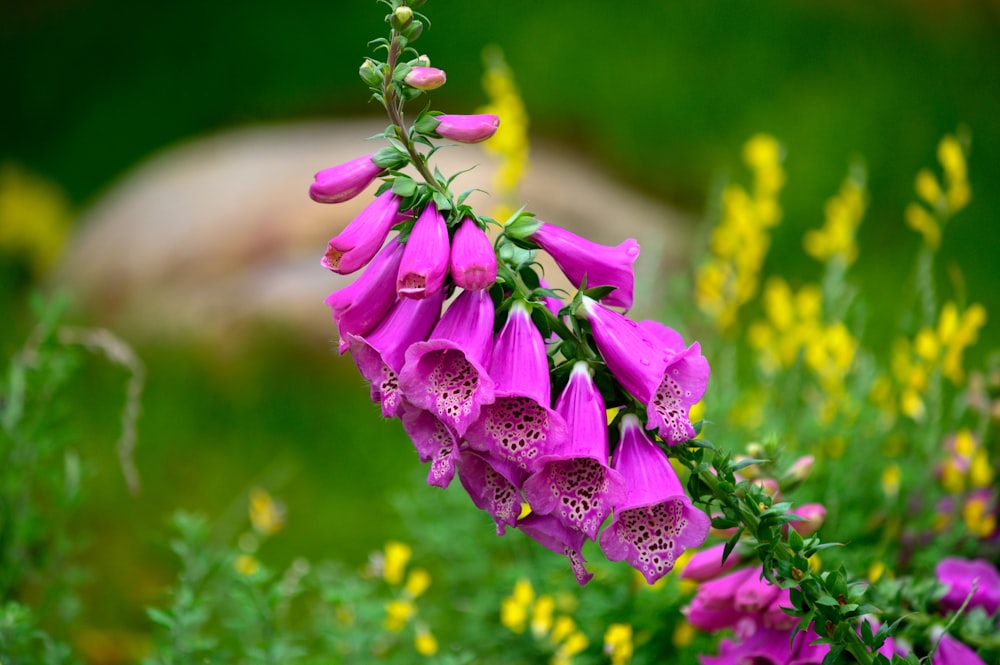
(651, 362)
(575, 483)
(755, 593)
(519, 426)
(447, 375)
(359, 306)
(436, 442)
(656, 520)
(554, 534)
(764, 647)
(425, 78)
(951, 651)
(380, 354)
(813, 515)
(425, 261)
(467, 128)
(493, 485)
(473, 261)
(601, 265)
(959, 575)
(344, 181)
(707, 564)
(360, 240)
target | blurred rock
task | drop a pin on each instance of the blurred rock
(218, 236)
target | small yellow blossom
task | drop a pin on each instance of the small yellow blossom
(875, 571)
(928, 188)
(542, 615)
(397, 555)
(266, 515)
(891, 476)
(246, 565)
(980, 470)
(618, 643)
(35, 217)
(684, 634)
(510, 143)
(398, 613)
(977, 517)
(417, 582)
(514, 609)
(562, 628)
(843, 214)
(424, 642)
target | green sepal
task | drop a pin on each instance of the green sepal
(427, 122)
(521, 224)
(390, 158)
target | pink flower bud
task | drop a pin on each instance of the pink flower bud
(812, 514)
(707, 564)
(345, 181)
(467, 128)
(425, 259)
(473, 262)
(425, 78)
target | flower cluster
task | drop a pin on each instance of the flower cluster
(556, 633)
(400, 612)
(495, 377)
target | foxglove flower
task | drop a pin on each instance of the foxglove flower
(755, 594)
(656, 520)
(707, 564)
(447, 375)
(360, 240)
(425, 261)
(359, 306)
(473, 261)
(651, 363)
(380, 354)
(436, 442)
(960, 574)
(492, 485)
(575, 483)
(425, 78)
(519, 426)
(600, 265)
(813, 515)
(763, 646)
(466, 128)
(554, 534)
(345, 181)
(951, 651)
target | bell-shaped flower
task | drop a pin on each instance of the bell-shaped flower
(473, 261)
(466, 128)
(359, 306)
(707, 564)
(436, 442)
(720, 593)
(361, 239)
(681, 386)
(656, 521)
(519, 426)
(755, 593)
(493, 485)
(380, 354)
(813, 515)
(425, 261)
(425, 78)
(600, 265)
(975, 579)
(344, 181)
(763, 646)
(575, 483)
(447, 374)
(952, 651)
(554, 534)
(774, 615)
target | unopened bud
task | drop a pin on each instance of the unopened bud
(425, 78)
(756, 450)
(421, 61)
(797, 472)
(370, 73)
(401, 18)
(813, 515)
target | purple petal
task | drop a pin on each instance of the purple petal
(425, 261)
(707, 564)
(446, 375)
(600, 265)
(473, 261)
(467, 128)
(435, 442)
(360, 240)
(628, 349)
(493, 485)
(683, 384)
(556, 536)
(344, 181)
(959, 574)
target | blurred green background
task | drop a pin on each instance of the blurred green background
(662, 93)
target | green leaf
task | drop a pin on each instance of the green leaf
(404, 187)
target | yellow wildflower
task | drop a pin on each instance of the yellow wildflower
(924, 223)
(618, 643)
(35, 217)
(541, 615)
(980, 470)
(424, 642)
(956, 333)
(875, 571)
(562, 628)
(683, 634)
(417, 582)
(515, 607)
(928, 188)
(266, 515)
(397, 555)
(977, 516)
(843, 213)
(575, 643)
(891, 475)
(398, 613)
(510, 143)
(246, 565)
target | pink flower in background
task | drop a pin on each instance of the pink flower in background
(600, 265)
(361, 239)
(345, 181)
(656, 521)
(425, 259)
(959, 575)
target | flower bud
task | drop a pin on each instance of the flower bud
(797, 473)
(467, 128)
(473, 262)
(401, 18)
(370, 73)
(344, 181)
(425, 78)
(812, 514)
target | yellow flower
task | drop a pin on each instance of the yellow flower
(875, 571)
(35, 217)
(417, 582)
(397, 555)
(980, 471)
(515, 607)
(541, 615)
(618, 643)
(424, 642)
(958, 332)
(266, 515)
(843, 213)
(922, 222)
(977, 517)
(510, 143)
(563, 628)
(246, 565)
(891, 475)
(398, 613)
(683, 634)
(928, 188)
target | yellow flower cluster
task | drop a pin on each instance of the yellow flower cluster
(510, 143)
(402, 610)
(842, 216)
(267, 517)
(740, 242)
(794, 326)
(968, 467)
(941, 201)
(35, 217)
(618, 643)
(931, 349)
(522, 609)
